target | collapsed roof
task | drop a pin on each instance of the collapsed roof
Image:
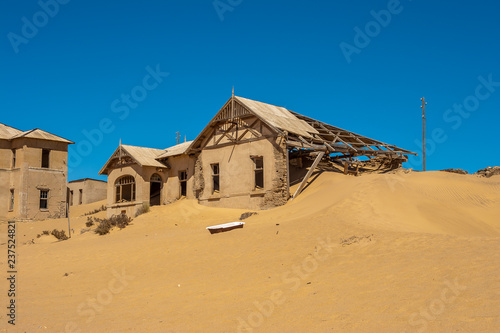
(301, 132)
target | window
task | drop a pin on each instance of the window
(44, 198)
(259, 172)
(80, 198)
(183, 183)
(45, 158)
(125, 189)
(13, 158)
(11, 204)
(215, 178)
(155, 178)
(71, 198)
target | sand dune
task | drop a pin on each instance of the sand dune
(417, 252)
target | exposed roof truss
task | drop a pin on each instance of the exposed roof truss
(337, 140)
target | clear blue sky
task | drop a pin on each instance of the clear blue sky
(67, 71)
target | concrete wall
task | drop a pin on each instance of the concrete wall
(92, 190)
(27, 178)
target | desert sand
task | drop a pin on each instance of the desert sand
(415, 252)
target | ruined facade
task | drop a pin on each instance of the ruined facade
(241, 159)
(86, 191)
(33, 174)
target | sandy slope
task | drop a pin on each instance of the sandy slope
(415, 252)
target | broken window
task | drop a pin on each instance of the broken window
(13, 158)
(45, 158)
(183, 182)
(125, 189)
(80, 198)
(215, 178)
(44, 198)
(259, 172)
(11, 205)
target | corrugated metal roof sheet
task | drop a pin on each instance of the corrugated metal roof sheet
(175, 150)
(279, 117)
(40, 134)
(144, 156)
(7, 132)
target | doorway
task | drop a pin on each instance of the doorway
(155, 190)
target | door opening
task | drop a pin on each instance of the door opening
(155, 190)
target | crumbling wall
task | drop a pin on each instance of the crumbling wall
(278, 194)
(382, 163)
(199, 181)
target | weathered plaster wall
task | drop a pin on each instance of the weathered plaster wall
(142, 176)
(27, 178)
(177, 164)
(92, 191)
(237, 177)
(55, 182)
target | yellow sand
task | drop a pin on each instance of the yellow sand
(416, 252)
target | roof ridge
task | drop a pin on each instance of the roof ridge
(142, 147)
(262, 102)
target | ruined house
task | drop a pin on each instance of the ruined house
(246, 157)
(137, 177)
(33, 174)
(85, 191)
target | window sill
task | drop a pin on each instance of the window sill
(215, 196)
(258, 192)
(125, 204)
(44, 209)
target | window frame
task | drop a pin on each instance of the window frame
(44, 199)
(215, 167)
(120, 183)
(258, 170)
(157, 179)
(182, 180)
(45, 161)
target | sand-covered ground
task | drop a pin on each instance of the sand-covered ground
(416, 252)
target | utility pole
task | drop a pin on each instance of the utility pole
(423, 118)
(177, 137)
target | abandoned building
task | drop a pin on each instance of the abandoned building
(86, 191)
(33, 174)
(247, 156)
(136, 176)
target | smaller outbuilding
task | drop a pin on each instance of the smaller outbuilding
(86, 191)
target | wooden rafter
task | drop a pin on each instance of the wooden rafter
(225, 134)
(249, 128)
(309, 173)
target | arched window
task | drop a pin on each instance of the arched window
(156, 178)
(125, 189)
